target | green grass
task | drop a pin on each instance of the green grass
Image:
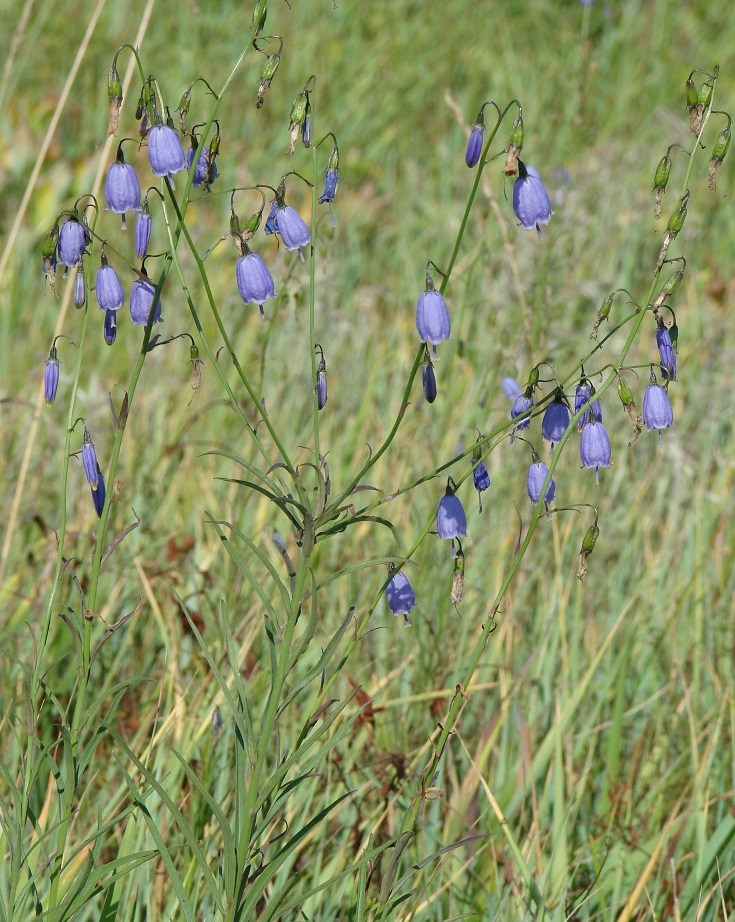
(593, 757)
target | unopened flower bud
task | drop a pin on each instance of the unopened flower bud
(676, 221)
(719, 151)
(297, 117)
(321, 380)
(692, 95)
(51, 377)
(672, 283)
(80, 287)
(602, 314)
(624, 392)
(252, 224)
(266, 76)
(428, 378)
(114, 95)
(590, 539)
(660, 180)
(306, 130)
(705, 92)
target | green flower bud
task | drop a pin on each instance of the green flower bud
(253, 223)
(533, 376)
(605, 308)
(691, 93)
(298, 109)
(590, 539)
(722, 143)
(48, 247)
(114, 86)
(516, 132)
(705, 92)
(673, 282)
(676, 221)
(624, 392)
(663, 171)
(270, 67)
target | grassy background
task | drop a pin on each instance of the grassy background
(601, 724)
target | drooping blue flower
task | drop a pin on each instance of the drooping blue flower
(143, 224)
(271, 222)
(594, 448)
(432, 317)
(401, 597)
(451, 521)
(110, 327)
(141, 302)
(294, 232)
(89, 460)
(480, 478)
(521, 410)
(254, 281)
(51, 377)
(331, 178)
(511, 388)
(657, 410)
(537, 474)
(666, 353)
(99, 494)
(200, 171)
(165, 153)
(474, 145)
(531, 201)
(122, 189)
(582, 395)
(555, 421)
(73, 239)
(108, 289)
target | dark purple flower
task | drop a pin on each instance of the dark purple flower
(474, 145)
(51, 377)
(321, 380)
(165, 153)
(594, 448)
(429, 380)
(531, 201)
(481, 479)
(141, 302)
(555, 421)
(306, 131)
(511, 388)
(271, 222)
(143, 223)
(108, 288)
(665, 350)
(99, 494)
(432, 317)
(401, 597)
(537, 474)
(122, 189)
(254, 281)
(294, 232)
(89, 460)
(657, 410)
(451, 521)
(110, 328)
(200, 171)
(73, 239)
(582, 395)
